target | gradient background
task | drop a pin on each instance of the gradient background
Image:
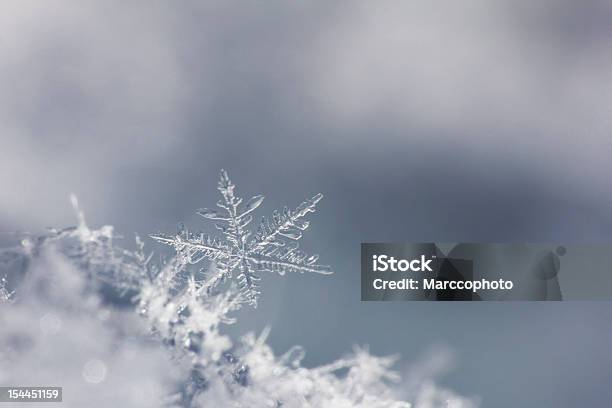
(418, 121)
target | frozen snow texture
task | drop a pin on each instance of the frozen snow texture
(62, 326)
(5, 294)
(240, 253)
(57, 332)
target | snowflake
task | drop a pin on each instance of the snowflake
(270, 249)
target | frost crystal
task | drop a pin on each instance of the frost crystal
(270, 249)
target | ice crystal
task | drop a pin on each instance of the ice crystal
(186, 313)
(359, 380)
(273, 248)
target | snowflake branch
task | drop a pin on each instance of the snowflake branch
(283, 267)
(204, 246)
(287, 224)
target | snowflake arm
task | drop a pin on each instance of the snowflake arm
(271, 253)
(193, 249)
(289, 224)
(289, 258)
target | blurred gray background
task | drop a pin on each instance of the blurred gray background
(418, 121)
